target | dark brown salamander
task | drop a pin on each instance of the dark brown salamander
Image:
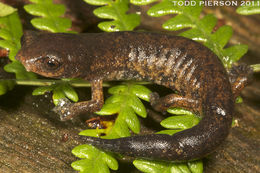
(187, 67)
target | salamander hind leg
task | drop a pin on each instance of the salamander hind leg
(68, 110)
(240, 76)
(173, 100)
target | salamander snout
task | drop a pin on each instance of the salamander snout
(46, 64)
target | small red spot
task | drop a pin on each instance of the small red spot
(101, 122)
(3, 53)
(65, 137)
(220, 23)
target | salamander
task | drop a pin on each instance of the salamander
(197, 77)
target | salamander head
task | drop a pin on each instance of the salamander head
(49, 55)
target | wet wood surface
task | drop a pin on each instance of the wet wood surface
(32, 139)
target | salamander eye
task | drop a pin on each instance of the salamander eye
(51, 63)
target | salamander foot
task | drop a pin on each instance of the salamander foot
(63, 109)
(154, 97)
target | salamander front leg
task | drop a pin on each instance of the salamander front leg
(173, 100)
(68, 110)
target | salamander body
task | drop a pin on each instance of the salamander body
(187, 67)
